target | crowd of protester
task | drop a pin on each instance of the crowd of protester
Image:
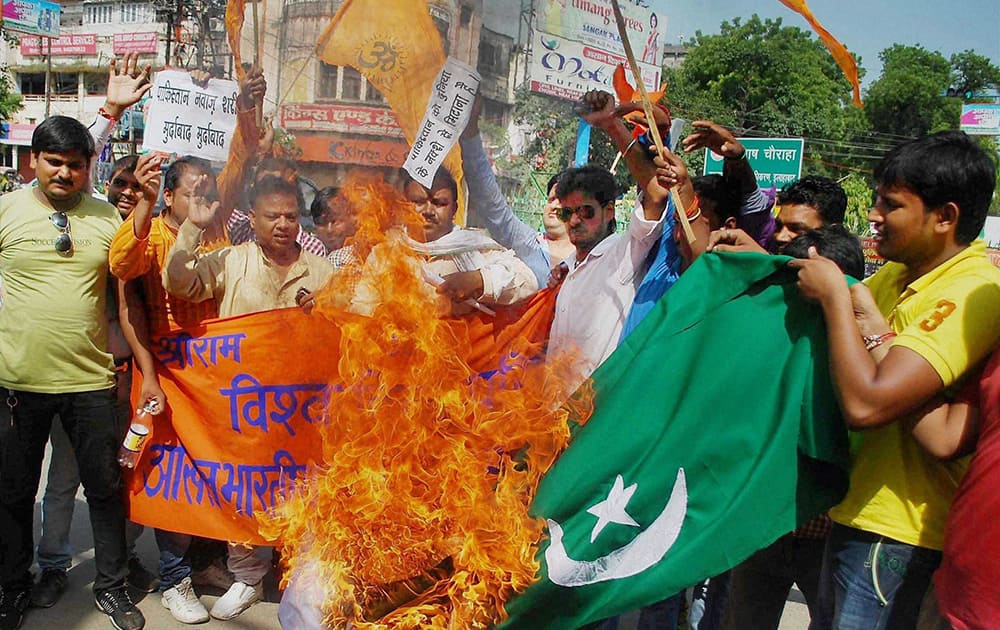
(85, 285)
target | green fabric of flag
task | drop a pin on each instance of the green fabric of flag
(716, 431)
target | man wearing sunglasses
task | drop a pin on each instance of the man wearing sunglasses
(54, 242)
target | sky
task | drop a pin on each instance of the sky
(866, 27)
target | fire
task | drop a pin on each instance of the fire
(418, 516)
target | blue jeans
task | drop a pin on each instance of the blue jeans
(173, 566)
(870, 582)
(62, 482)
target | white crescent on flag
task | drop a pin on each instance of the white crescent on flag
(641, 553)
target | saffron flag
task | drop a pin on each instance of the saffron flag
(244, 399)
(715, 431)
(396, 46)
(235, 11)
(841, 55)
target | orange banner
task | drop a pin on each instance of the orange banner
(244, 399)
(841, 55)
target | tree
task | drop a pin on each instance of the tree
(972, 73)
(908, 98)
(762, 78)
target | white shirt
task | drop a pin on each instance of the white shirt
(596, 295)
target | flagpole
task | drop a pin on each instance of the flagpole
(647, 107)
(256, 59)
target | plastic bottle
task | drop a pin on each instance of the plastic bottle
(139, 433)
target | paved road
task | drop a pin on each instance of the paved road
(75, 611)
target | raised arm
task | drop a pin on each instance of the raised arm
(127, 84)
(187, 274)
(243, 150)
(488, 208)
(130, 255)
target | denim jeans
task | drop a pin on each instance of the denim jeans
(173, 566)
(870, 582)
(63, 480)
(91, 424)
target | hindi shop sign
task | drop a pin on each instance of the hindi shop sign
(981, 120)
(187, 119)
(776, 161)
(369, 121)
(567, 69)
(592, 22)
(34, 17)
(135, 42)
(448, 111)
(65, 46)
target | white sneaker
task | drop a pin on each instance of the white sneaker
(183, 603)
(238, 598)
(214, 575)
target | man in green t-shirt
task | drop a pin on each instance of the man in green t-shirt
(54, 241)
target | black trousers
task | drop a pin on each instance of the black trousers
(95, 430)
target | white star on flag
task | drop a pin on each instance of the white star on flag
(612, 509)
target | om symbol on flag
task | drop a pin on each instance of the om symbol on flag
(380, 57)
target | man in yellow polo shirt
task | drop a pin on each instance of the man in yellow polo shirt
(940, 298)
(54, 241)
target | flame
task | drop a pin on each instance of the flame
(418, 516)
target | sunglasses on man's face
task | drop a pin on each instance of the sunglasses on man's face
(585, 212)
(64, 242)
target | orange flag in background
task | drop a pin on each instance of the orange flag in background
(395, 44)
(840, 53)
(235, 10)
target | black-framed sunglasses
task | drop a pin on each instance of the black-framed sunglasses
(585, 211)
(64, 242)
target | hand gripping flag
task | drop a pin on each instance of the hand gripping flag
(715, 431)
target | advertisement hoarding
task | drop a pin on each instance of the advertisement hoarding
(65, 46)
(34, 17)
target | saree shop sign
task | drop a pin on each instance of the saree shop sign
(369, 121)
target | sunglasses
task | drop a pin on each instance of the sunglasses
(64, 242)
(585, 212)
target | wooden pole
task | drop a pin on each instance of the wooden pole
(256, 58)
(647, 107)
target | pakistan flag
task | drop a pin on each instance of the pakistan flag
(716, 431)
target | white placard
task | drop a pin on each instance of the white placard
(190, 120)
(447, 115)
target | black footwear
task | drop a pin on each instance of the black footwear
(49, 589)
(116, 604)
(12, 605)
(140, 578)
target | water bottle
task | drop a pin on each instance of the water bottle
(139, 433)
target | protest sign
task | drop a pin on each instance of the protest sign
(448, 112)
(34, 17)
(190, 120)
(776, 161)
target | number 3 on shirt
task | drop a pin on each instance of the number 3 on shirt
(943, 309)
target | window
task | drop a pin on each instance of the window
(350, 89)
(345, 84)
(95, 84)
(98, 13)
(327, 87)
(443, 26)
(123, 13)
(32, 83)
